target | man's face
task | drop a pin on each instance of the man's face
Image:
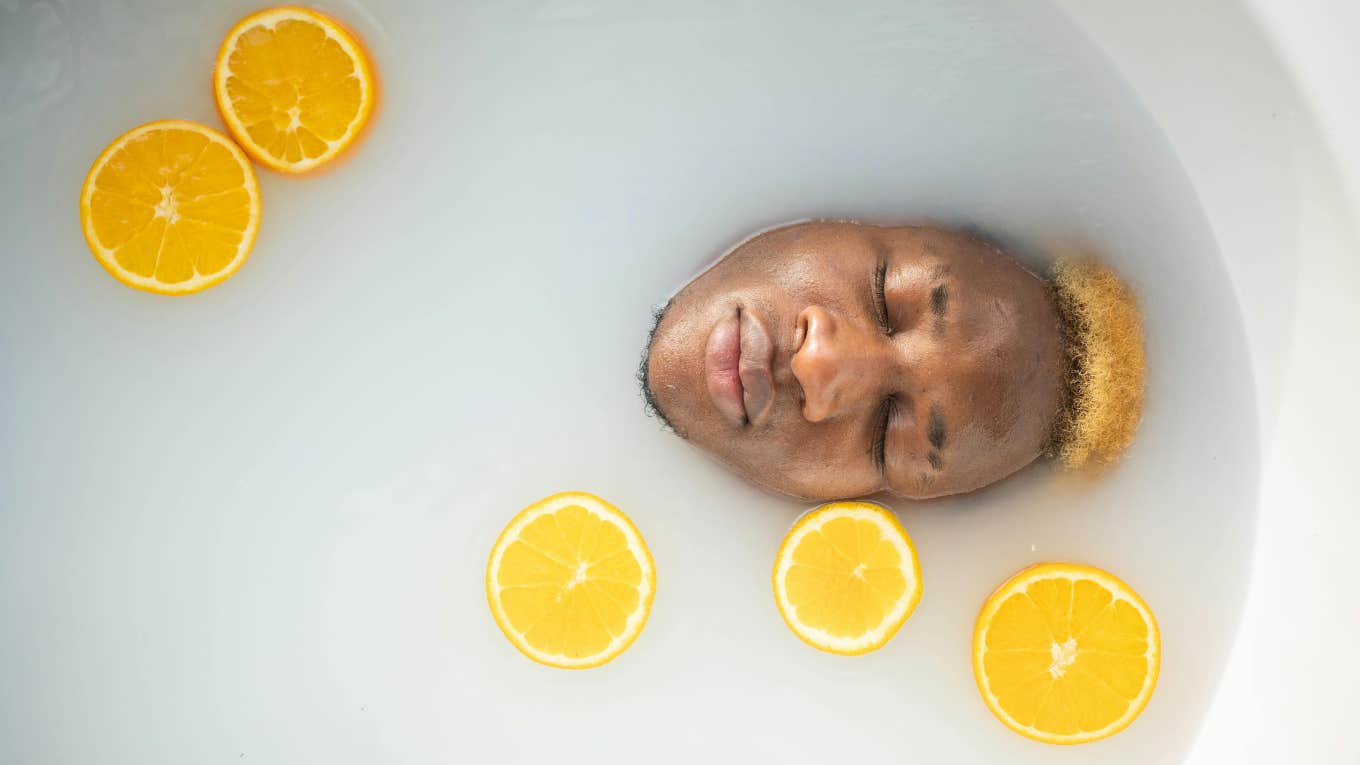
(832, 360)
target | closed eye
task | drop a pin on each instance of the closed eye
(881, 297)
(879, 446)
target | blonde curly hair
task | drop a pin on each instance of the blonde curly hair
(1105, 377)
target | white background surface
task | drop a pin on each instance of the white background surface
(1260, 102)
(250, 526)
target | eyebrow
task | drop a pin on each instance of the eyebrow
(935, 427)
(939, 300)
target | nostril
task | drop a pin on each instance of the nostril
(800, 331)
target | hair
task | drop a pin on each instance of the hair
(650, 406)
(1103, 334)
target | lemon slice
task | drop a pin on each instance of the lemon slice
(171, 207)
(294, 87)
(1066, 654)
(570, 581)
(846, 577)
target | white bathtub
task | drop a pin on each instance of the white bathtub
(1259, 100)
(313, 590)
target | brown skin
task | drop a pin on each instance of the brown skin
(967, 373)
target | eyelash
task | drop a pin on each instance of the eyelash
(881, 297)
(879, 449)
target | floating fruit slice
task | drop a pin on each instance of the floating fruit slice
(171, 207)
(846, 577)
(1066, 654)
(570, 581)
(294, 87)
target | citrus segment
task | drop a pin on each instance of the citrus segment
(1066, 654)
(846, 577)
(294, 87)
(171, 207)
(570, 581)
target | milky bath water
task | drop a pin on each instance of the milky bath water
(252, 524)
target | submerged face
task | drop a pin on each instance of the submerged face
(832, 360)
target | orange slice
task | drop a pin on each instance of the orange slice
(570, 581)
(171, 207)
(846, 578)
(294, 87)
(1066, 654)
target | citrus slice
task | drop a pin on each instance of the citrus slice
(570, 581)
(294, 87)
(171, 207)
(1066, 654)
(846, 577)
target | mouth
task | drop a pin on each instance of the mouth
(756, 368)
(737, 368)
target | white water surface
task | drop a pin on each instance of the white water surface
(251, 525)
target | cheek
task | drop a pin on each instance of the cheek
(794, 276)
(795, 284)
(780, 447)
(804, 460)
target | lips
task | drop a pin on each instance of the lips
(755, 369)
(722, 361)
(737, 368)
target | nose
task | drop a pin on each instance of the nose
(838, 365)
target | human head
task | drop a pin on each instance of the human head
(835, 359)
